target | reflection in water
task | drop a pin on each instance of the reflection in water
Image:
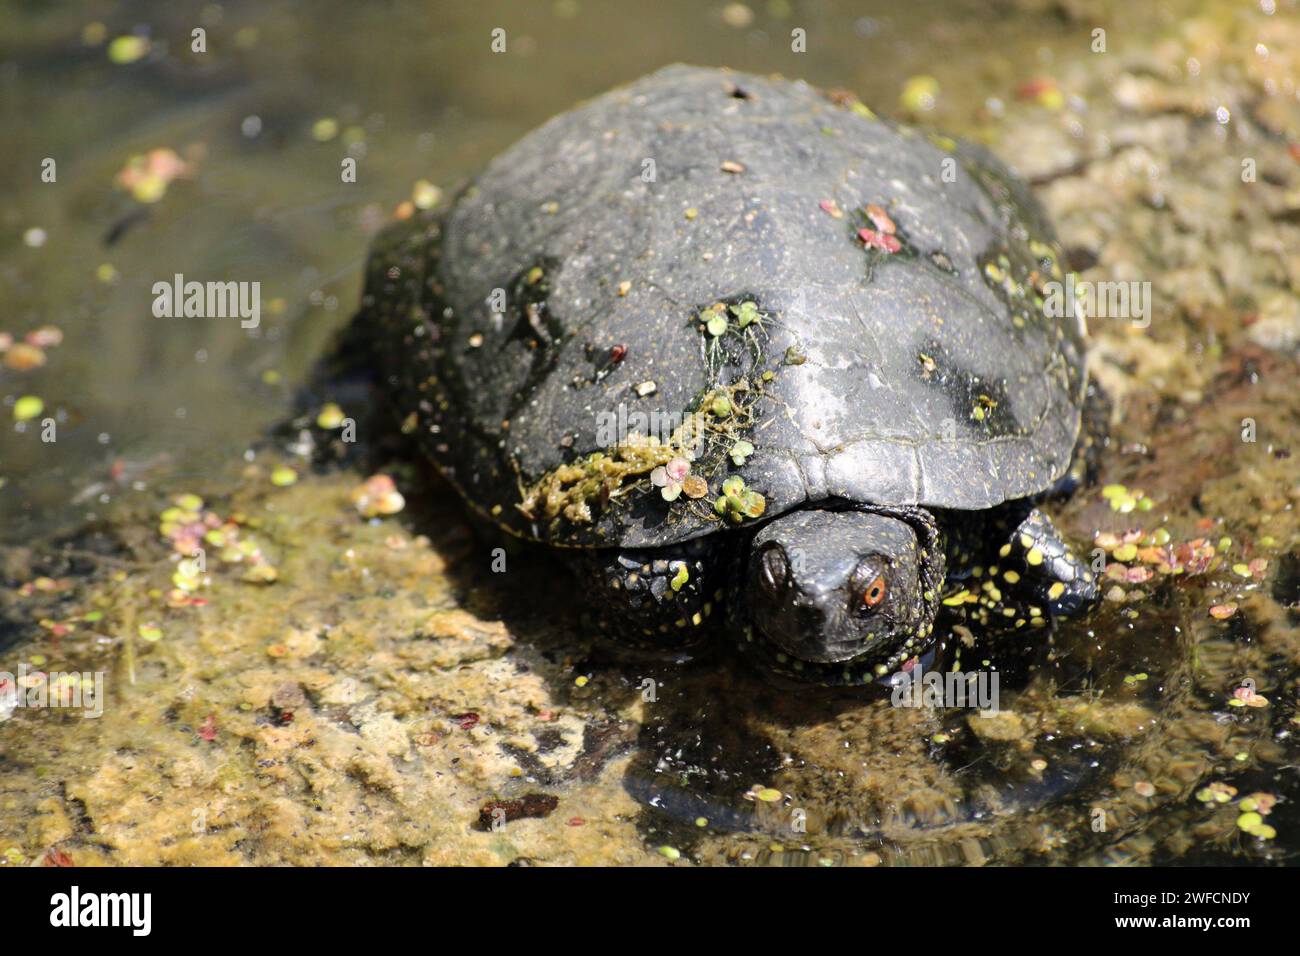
(846, 776)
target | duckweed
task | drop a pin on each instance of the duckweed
(737, 502)
(27, 408)
(740, 451)
(919, 94)
(571, 490)
(127, 49)
(329, 417)
(324, 129)
(1216, 792)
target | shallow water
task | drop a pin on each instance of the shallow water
(380, 639)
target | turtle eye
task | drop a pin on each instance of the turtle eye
(774, 570)
(874, 592)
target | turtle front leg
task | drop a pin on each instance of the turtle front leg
(652, 598)
(1037, 566)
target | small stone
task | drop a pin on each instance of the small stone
(537, 805)
(288, 695)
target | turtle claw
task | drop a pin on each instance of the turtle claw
(1047, 568)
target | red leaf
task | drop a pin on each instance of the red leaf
(56, 857)
(208, 729)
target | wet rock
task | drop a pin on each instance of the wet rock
(495, 814)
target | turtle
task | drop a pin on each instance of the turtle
(747, 358)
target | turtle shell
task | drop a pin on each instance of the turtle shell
(795, 298)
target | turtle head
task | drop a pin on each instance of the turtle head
(847, 588)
